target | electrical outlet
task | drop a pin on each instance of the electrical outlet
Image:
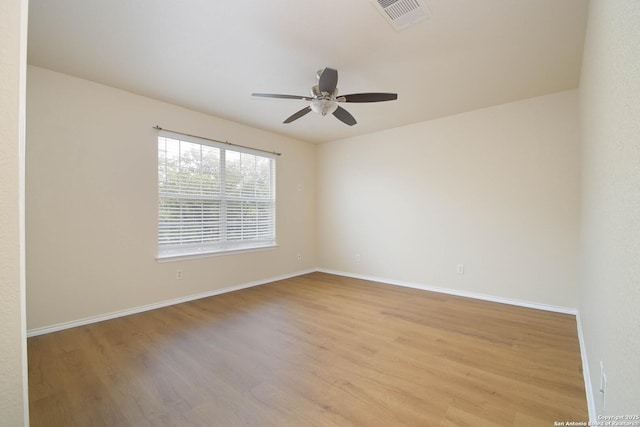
(299, 257)
(358, 258)
(179, 274)
(460, 268)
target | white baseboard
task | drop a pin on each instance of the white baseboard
(588, 387)
(140, 309)
(484, 297)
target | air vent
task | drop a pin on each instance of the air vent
(402, 13)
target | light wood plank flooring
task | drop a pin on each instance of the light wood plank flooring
(315, 350)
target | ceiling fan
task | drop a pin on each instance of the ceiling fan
(324, 98)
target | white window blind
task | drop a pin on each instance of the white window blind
(213, 198)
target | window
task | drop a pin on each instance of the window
(213, 198)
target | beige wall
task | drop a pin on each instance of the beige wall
(495, 189)
(610, 247)
(92, 202)
(13, 385)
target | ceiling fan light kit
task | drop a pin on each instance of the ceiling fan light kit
(324, 106)
(324, 98)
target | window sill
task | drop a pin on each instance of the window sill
(183, 257)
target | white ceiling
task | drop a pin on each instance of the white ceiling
(210, 55)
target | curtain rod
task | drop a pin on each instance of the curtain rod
(220, 142)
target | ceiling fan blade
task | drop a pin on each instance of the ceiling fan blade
(368, 97)
(274, 95)
(328, 80)
(297, 115)
(344, 116)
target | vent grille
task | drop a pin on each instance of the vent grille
(402, 13)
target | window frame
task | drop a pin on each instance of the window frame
(225, 245)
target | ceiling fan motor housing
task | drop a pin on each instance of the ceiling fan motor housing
(316, 93)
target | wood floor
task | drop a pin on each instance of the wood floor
(315, 350)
